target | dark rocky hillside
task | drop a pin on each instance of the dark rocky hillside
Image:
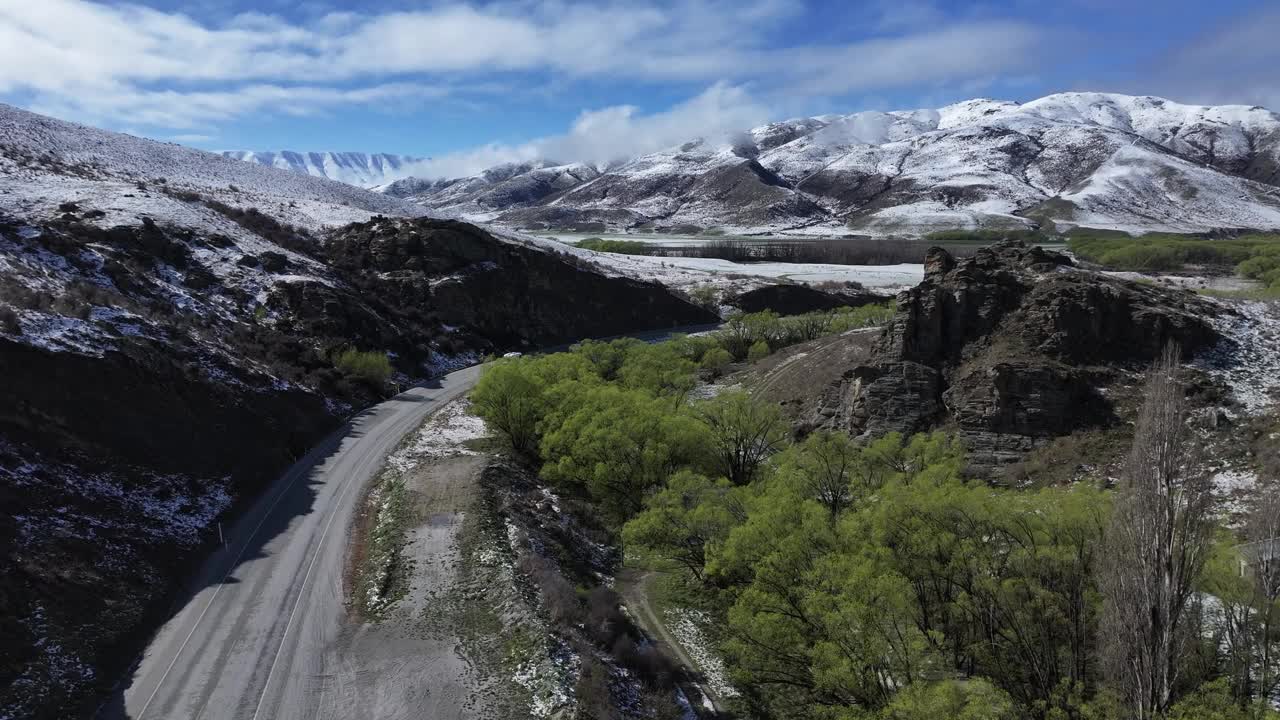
(156, 375)
(1011, 347)
(800, 299)
(503, 294)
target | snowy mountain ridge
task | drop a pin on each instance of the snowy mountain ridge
(354, 168)
(1134, 163)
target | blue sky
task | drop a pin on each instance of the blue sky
(472, 83)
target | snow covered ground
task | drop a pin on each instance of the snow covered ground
(686, 625)
(444, 435)
(45, 162)
(1248, 361)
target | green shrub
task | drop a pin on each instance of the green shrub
(715, 361)
(370, 365)
(1162, 252)
(759, 350)
(706, 296)
(974, 699)
(862, 317)
(1213, 701)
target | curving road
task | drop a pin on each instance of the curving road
(251, 643)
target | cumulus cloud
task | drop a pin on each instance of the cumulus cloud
(600, 136)
(94, 60)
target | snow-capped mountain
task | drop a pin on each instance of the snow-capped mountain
(353, 168)
(502, 187)
(1091, 159)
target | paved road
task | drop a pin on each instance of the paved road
(251, 643)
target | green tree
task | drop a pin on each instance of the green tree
(606, 357)
(759, 350)
(974, 699)
(659, 369)
(511, 402)
(820, 620)
(618, 445)
(1214, 701)
(828, 462)
(681, 520)
(715, 361)
(744, 432)
(514, 395)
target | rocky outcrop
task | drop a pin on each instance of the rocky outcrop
(799, 299)
(1011, 347)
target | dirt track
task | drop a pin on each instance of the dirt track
(635, 587)
(405, 665)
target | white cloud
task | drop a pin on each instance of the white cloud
(896, 15)
(599, 136)
(136, 64)
(197, 109)
(1231, 63)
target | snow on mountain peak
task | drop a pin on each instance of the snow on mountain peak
(1103, 159)
(354, 168)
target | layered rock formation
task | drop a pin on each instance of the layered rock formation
(1011, 347)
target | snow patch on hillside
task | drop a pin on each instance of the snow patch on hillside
(686, 625)
(45, 162)
(1248, 358)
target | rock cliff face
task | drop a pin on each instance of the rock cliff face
(1011, 347)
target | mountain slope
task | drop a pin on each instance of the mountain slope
(1093, 159)
(353, 168)
(172, 331)
(499, 188)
